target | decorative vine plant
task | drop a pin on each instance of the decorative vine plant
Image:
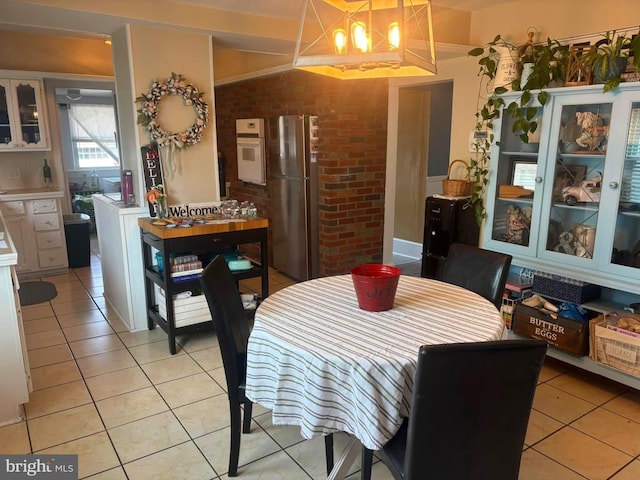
(548, 65)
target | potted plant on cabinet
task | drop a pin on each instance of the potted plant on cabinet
(547, 65)
(608, 58)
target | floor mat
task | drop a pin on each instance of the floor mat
(36, 292)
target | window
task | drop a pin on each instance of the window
(93, 136)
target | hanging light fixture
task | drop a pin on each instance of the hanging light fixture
(352, 39)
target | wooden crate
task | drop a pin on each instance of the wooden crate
(563, 333)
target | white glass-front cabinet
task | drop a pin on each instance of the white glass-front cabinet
(573, 207)
(22, 119)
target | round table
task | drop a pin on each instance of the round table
(320, 362)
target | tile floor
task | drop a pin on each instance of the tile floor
(133, 411)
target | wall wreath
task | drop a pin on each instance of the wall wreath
(149, 108)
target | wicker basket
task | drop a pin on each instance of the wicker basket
(456, 188)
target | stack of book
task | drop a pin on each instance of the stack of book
(185, 268)
(517, 288)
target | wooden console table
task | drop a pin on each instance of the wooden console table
(199, 240)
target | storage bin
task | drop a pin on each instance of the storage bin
(563, 333)
(186, 311)
(614, 348)
(77, 232)
(564, 289)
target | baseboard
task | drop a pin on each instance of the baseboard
(410, 250)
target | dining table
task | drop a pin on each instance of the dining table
(320, 362)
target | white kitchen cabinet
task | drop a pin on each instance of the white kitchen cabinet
(18, 223)
(23, 123)
(37, 230)
(48, 231)
(580, 217)
(14, 365)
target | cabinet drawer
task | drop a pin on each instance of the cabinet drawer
(46, 221)
(47, 205)
(51, 239)
(54, 257)
(12, 208)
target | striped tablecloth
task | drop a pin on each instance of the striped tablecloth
(319, 362)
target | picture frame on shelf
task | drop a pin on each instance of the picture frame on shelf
(566, 176)
(523, 172)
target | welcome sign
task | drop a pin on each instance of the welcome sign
(194, 210)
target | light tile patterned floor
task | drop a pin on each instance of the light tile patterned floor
(133, 411)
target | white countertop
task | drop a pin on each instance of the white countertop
(30, 194)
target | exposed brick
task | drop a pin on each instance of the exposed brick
(351, 155)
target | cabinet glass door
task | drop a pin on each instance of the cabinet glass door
(5, 125)
(511, 202)
(28, 115)
(574, 182)
(626, 240)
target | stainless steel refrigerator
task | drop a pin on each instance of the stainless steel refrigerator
(293, 182)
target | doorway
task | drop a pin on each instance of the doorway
(84, 126)
(421, 161)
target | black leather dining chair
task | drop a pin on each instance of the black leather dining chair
(232, 330)
(481, 271)
(469, 413)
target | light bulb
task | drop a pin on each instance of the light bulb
(359, 36)
(394, 36)
(340, 40)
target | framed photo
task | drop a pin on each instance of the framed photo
(566, 176)
(523, 173)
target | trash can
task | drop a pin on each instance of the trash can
(76, 229)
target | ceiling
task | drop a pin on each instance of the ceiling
(293, 8)
(42, 17)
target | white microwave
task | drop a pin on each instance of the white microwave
(251, 150)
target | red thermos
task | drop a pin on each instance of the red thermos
(127, 185)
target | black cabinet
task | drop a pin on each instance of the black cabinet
(446, 221)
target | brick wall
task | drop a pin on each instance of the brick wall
(351, 155)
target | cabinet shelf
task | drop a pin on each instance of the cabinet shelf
(583, 156)
(157, 277)
(583, 207)
(521, 154)
(524, 200)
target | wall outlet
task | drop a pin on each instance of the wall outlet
(15, 173)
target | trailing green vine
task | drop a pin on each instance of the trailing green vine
(549, 64)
